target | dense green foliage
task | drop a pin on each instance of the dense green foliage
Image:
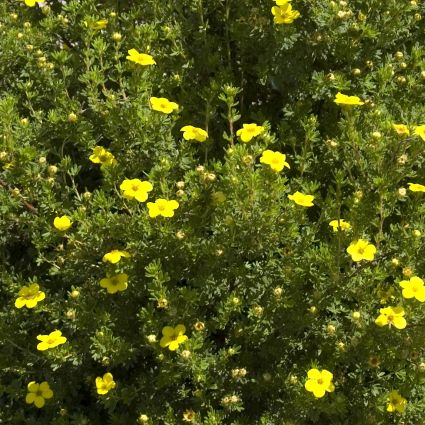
(262, 284)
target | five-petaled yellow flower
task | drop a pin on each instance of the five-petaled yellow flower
(283, 12)
(420, 131)
(29, 296)
(140, 58)
(416, 187)
(340, 225)
(391, 316)
(62, 223)
(342, 99)
(401, 129)
(162, 207)
(301, 199)
(52, 340)
(173, 337)
(115, 283)
(413, 288)
(249, 131)
(136, 189)
(194, 133)
(38, 393)
(163, 105)
(114, 256)
(105, 384)
(362, 250)
(319, 382)
(276, 160)
(396, 402)
(101, 156)
(31, 3)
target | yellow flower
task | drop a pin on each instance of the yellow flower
(62, 223)
(342, 99)
(162, 207)
(31, 3)
(29, 296)
(249, 131)
(136, 189)
(38, 393)
(319, 382)
(276, 160)
(194, 133)
(115, 283)
(105, 384)
(420, 131)
(101, 156)
(283, 13)
(413, 288)
(416, 187)
(391, 316)
(342, 225)
(173, 337)
(401, 129)
(101, 24)
(163, 105)
(301, 199)
(361, 250)
(396, 402)
(115, 255)
(140, 58)
(52, 340)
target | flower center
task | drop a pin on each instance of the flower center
(320, 381)
(390, 318)
(114, 282)
(51, 341)
(38, 393)
(103, 158)
(361, 250)
(161, 207)
(135, 188)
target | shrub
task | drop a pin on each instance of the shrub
(199, 225)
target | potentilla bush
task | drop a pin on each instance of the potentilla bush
(212, 212)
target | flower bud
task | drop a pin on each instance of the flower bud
(356, 72)
(151, 339)
(399, 55)
(199, 326)
(356, 315)
(72, 118)
(42, 160)
(277, 292)
(87, 195)
(376, 135)
(416, 233)
(75, 293)
(330, 329)
(180, 185)
(407, 271)
(52, 170)
(180, 235)
(162, 303)
(116, 36)
(395, 262)
(185, 354)
(143, 419)
(180, 193)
